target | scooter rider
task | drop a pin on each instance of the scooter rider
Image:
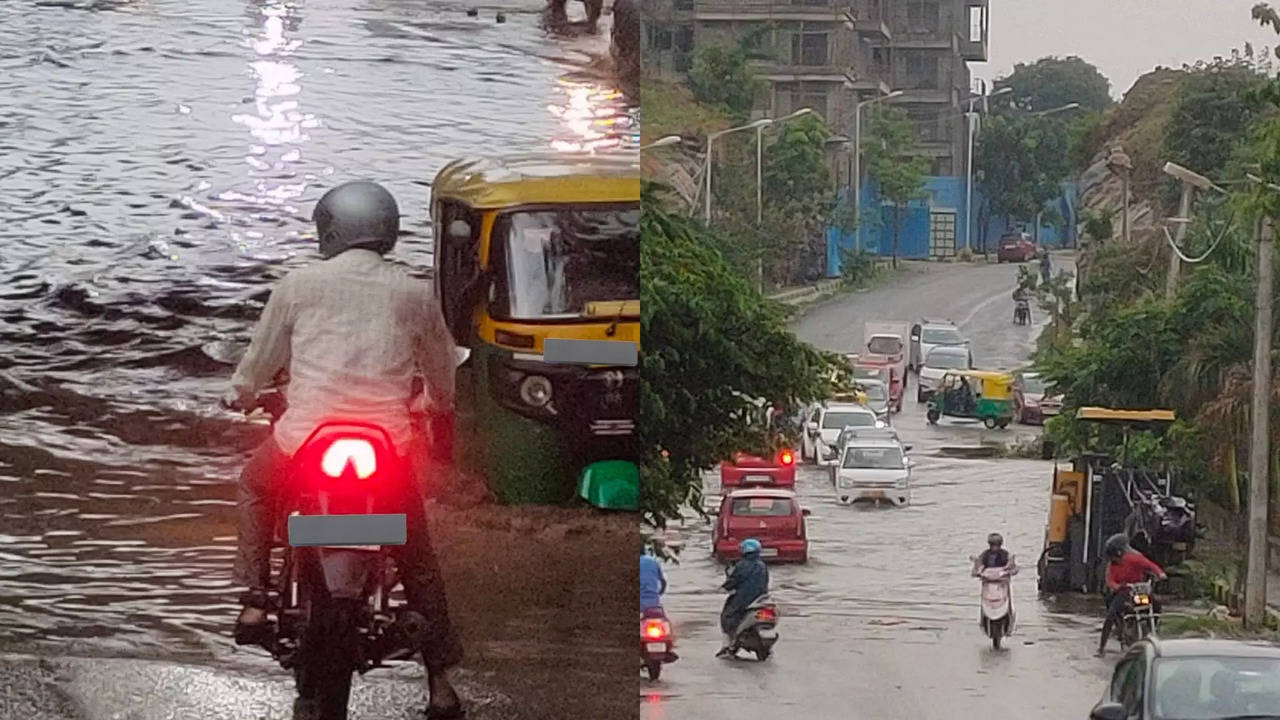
(1125, 566)
(995, 556)
(748, 580)
(353, 331)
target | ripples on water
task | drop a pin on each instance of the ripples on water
(158, 163)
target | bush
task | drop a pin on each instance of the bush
(856, 266)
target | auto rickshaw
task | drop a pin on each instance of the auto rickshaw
(982, 394)
(534, 251)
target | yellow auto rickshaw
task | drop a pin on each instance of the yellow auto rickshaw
(986, 395)
(534, 250)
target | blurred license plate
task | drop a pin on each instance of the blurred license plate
(656, 647)
(1179, 546)
(757, 479)
(769, 552)
(874, 494)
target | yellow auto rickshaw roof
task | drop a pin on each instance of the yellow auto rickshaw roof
(985, 375)
(1101, 414)
(539, 178)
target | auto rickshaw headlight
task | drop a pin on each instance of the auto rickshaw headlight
(535, 390)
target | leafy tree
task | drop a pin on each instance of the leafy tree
(1021, 163)
(1052, 82)
(719, 76)
(713, 347)
(899, 175)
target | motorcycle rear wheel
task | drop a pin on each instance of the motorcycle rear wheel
(326, 660)
(996, 629)
(763, 654)
(654, 668)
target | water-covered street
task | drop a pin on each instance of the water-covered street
(883, 620)
(158, 164)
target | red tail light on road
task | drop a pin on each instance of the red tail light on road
(766, 615)
(350, 452)
(655, 630)
(787, 457)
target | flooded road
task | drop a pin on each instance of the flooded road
(882, 623)
(159, 160)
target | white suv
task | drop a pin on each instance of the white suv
(929, 334)
(873, 469)
(820, 443)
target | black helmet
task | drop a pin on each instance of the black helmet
(1116, 546)
(995, 539)
(356, 214)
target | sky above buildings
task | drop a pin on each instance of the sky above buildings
(1123, 38)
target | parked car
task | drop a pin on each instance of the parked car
(821, 433)
(1193, 678)
(936, 364)
(929, 334)
(1031, 406)
(873, 469)
(747, 469)
(1015, 247)
(772, 516)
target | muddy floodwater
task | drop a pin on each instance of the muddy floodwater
(159, 160)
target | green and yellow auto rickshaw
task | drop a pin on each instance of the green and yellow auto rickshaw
(984, 395)
(533, 251)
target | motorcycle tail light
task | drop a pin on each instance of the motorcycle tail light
(1141, 600)
(786, 457)
(352, 453)
(766, 615)
(654, 629)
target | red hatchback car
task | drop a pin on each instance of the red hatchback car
(774, 517)
(748, 470)
(1016, 247)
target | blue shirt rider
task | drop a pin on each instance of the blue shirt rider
(652, 583)
(748, 580)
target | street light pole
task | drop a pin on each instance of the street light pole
(971, 122)
(707, 160)
(857, 163)
(1255, 589)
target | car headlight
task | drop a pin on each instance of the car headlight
(879, 424)
(535, 391)
(902, 482)
(846, 482)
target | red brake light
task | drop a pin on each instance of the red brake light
(766, 615)
(787, 457)
(654, 630)
(356, 453)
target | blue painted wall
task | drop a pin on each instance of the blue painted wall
(944, 193)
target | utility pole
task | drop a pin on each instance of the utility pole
(1175, 262)
(1119, 163)
(1255, 589)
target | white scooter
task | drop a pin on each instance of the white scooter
(757, 631)
(996, 616)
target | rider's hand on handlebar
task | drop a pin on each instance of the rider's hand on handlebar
(231, 401)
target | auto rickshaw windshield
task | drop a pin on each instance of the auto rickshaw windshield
(552, 264)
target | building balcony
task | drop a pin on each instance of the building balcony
(974, 37)
(870, 21)
(787, 72)
(866, 85)
(827, 11)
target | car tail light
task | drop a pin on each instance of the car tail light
(655, 629)
(787, 457)
(349, 452)
(766, 615)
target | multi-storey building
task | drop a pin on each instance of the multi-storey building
(829, 54)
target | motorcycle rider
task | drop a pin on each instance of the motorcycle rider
(995, 556)
(353, 331)
(748, 580)
(1125, 566)
(652, 582)
(1021, 302)
(1044, 265)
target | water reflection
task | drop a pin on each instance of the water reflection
(595, 118)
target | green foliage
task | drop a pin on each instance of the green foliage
(856, 266)
(1098, 225)
(719, 76)
(712, 348)
(1052, 82)
(1021, 163)
(899, 174)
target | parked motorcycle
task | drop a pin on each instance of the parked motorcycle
(996, 615)
(334, 600)
(1140, 614)
(656, 641)
(757, 631)
(1022, 313)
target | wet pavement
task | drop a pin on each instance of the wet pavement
(159, 160)
(882, 623)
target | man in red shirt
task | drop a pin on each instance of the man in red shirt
(1126, 566)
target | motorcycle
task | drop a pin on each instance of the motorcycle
(996, 615)
(332, 596)
(757, 631)
(656, 642)
(1022, 312)
(1140, 614)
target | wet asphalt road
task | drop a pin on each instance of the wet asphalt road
(882, 623)
(159, 160)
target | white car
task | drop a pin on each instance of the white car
(937, 363)
(874, 469)
(929, 334)
(822, 430)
